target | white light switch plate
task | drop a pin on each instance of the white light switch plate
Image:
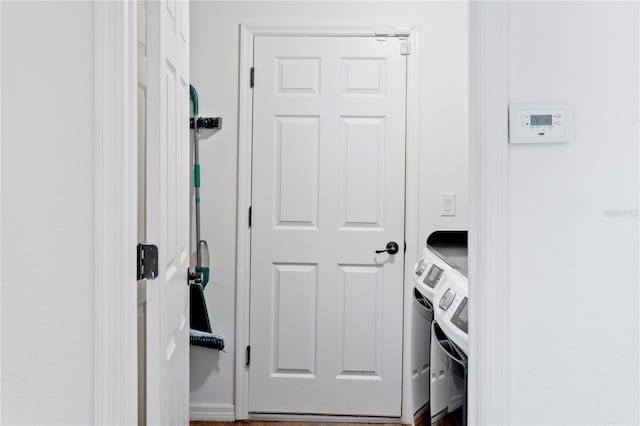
(448, 204)
(540, 123)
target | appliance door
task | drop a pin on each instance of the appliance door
(448, 379)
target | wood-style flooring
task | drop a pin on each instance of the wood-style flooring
(422, 421)
(274, 423)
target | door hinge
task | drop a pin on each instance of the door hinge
(250, 215)
(248, 355)
(207, 123)
(147, 262)
(252, 78)
(405, 47)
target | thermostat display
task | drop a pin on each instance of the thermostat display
(540, 123)
(542, 120)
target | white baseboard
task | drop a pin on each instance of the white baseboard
(212, 412)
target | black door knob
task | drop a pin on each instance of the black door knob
(392, 248)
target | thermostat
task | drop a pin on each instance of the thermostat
(540, 123)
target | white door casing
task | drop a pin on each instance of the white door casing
(115, 184)
(327, 192)
(168, 212)
(489, 292)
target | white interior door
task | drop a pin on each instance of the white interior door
(168, 212)
(327, 192)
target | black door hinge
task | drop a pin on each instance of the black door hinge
(147, 262)
(207, 122)
(252, 78)
(248, 355)
(250, 216)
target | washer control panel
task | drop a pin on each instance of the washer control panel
(540, 123)
(429, 273)
(421, 266)
(433, 276)
(451, 300)
(447, 299)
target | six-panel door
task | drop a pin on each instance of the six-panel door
(327, 192)
(168, 212)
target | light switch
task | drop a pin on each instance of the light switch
(448, 204)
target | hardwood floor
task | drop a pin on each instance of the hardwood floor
(424, 420)
(274, 423)
(451, 419)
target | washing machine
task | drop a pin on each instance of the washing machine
(428, 273)
(449, 348)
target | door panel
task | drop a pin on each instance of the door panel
(297, 171)
(327, 191)
(167, 213)
(360, 345)
(295, 290)
(362, 197)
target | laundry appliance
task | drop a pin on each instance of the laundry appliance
(449, 348)
(442, 284)
(428, 273)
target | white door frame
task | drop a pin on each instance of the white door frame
(115, 213)
(245, 131)
(115, 183)
(489, 330)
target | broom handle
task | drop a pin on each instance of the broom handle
(196, 184)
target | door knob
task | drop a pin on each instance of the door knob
(392, 248)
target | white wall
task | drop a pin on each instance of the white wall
(574, 268)
(47, 213)
(214, 72)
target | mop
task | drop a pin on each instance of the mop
(201, 332)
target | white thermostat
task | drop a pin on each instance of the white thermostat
(540, 123)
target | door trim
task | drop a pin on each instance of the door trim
(489, 325)
(115, 213)
(243, 232)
